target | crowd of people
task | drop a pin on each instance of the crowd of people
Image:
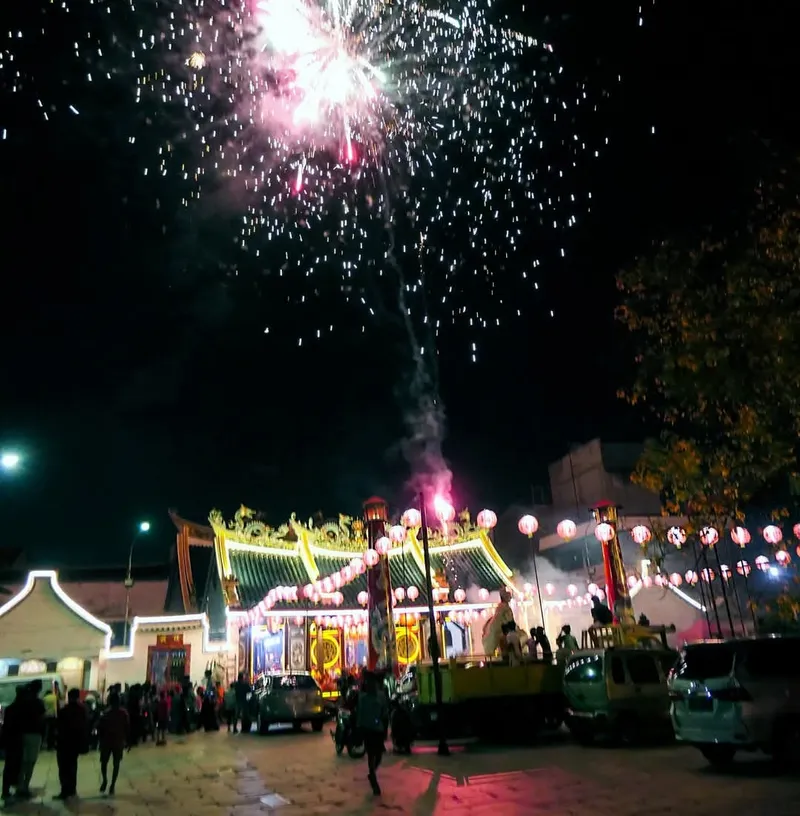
(43, 719)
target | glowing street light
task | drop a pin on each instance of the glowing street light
(142, 527)
(9, 460)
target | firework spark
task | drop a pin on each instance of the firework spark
(325, 122)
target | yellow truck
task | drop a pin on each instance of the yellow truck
(489, 699)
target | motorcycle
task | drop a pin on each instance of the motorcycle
(402, 726)
(346, 735)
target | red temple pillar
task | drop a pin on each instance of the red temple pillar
(381, 636)
(619, 599)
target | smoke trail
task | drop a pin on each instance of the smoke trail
(425, 420)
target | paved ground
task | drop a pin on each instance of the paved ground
(299, 775)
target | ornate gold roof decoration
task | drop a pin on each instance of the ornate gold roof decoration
(345, 534)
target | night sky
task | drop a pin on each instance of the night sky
(136, 374)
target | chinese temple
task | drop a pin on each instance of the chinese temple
(299, 591)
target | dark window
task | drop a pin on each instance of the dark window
(585, 670)
(642, 669)
(704, 661)
(775, 658)
(618, 670)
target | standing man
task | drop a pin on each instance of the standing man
(51, 700)
(32, 729)
(242, 690)
(113, 731)
(372, 718)
(11, 741)
(72, 741)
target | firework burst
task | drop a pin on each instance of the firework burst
(350, 133)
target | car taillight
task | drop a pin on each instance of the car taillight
(733, 694)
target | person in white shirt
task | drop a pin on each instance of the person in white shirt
(513, 644)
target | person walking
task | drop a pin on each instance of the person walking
(11, 742)
(229, 706)
(372, 719)
(51, 700)
(113, 732)
(32, 727)
(72, 740)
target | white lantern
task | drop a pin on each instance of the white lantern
(709, 536)
(641, 534)
(487, 519)
(740, 536)
(604, 532)
(528, 525)
(566, 529)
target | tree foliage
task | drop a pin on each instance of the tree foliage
(717, 327)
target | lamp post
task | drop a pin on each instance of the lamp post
(445, 511)
(144, 527)
(528, 525)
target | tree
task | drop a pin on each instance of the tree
(717, 328)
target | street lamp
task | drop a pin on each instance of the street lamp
(9, 460)
(144, 527)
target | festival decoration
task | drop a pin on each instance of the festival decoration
(772, 534)
(487, 519)
(676, 536)
(604, 532)
(641, 534)
(412, 518)
(566, 529)
(709, 536)
(740, 536)
(528, 525)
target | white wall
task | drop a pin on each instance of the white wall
(134, 669)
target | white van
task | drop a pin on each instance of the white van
(738, 695)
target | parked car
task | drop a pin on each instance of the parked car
(739, 695)
(618, 692)
(294, 698)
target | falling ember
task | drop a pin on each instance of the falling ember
(298, 182)
(197, 61)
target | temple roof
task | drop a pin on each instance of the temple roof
(261, 558)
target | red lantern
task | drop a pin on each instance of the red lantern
(632, 582)
(528, 525)
(483, 594)
(641, 534)
(413, 593)
(412, 518)
(487, 519)
(709, 536)
(740, 536)
(371, 558)
(603, 531)
(743, 568)
(783, 558)
(397, 533)
(363, 598)
(337, 579)
(460, 595)
(675, 579)
(549, 589)
(308, 590)
(772, 534)
(762, 563)
(566, 529)
(691, 577)
(400, 594)
(383, 545)
(347, 574)
(445, 511)
(726, 571)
